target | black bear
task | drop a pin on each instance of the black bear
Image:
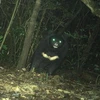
(50, 53)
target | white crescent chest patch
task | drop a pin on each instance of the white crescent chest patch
(49, 57)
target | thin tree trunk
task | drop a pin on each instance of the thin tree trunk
(29, 35)
(11, 22)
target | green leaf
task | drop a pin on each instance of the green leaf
(4, 47)
(1, 37)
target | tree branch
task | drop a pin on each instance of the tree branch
(92, 5)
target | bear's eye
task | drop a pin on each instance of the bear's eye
(60, 41)
(53, 39)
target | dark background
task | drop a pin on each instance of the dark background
(71, 17)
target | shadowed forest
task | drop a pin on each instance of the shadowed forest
(23, 23)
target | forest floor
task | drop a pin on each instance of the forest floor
(23, 85)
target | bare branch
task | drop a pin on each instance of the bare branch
(92, 6)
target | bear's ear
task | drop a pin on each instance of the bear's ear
(48, 33)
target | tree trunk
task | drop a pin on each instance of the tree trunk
(29, 35)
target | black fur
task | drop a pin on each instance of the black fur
(41, 63)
